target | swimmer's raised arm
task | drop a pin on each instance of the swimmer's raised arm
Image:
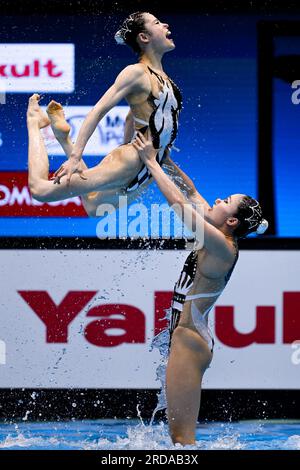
(130, 81)
(214, 240)
(184, 182)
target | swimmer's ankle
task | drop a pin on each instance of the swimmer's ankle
(32, 120)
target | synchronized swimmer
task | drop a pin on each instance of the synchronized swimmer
(155, 102)
(202, 280)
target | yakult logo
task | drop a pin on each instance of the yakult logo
(37, 67)
(30, 70)
(103, 318)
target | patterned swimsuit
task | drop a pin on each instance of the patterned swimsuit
(163, 121)
(180, 296)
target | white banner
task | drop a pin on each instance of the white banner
(108, 135)
(86, 319)
(37, 67)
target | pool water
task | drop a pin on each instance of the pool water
(135, 435)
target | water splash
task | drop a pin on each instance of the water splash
(26, 442)
(139, 415)
(293, 442)
(138, 437)
(226, 443)
(133, 435)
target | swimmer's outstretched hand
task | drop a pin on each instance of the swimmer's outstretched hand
(146, 151)
(67, 169)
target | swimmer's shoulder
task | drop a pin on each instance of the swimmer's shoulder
(218, 262)
(136, 73)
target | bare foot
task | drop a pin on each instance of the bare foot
(58, 121)
(34, 112)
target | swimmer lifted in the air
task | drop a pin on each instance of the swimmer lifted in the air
(155, 102)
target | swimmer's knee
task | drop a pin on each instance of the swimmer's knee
(35, 191)
(39, 191)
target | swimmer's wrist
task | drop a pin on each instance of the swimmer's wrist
(76, 156)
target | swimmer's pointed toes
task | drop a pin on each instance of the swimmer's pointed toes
(54, 106)
(35, 97)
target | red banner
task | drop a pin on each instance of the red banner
(16, 200)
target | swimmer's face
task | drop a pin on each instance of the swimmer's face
(159, 35)
(223, 211)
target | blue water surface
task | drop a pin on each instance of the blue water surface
(135, 435)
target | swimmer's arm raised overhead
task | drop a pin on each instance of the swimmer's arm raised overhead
(130, 81)
(214, 240)
(184, 182)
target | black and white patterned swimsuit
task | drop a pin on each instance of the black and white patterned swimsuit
(182, 287)
(163, 122)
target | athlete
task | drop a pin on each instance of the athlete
(155, 102)
(202, 280)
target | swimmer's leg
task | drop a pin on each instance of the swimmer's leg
(61, 130)
(113, 173)
(36, 120)
(189, 358)
(95, 199)
(91, 201)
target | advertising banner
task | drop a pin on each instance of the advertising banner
(87, 318)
